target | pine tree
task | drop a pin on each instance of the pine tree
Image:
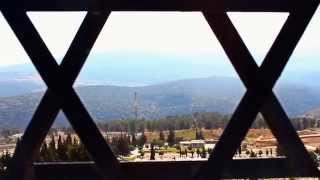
(44, 153)
(69, 146)
(199, 134)
(83, 154)
(142, 140)
(114, 145)
(73, 153)
(198, 152)
(4, 162)
(253, 154)
(171, 137)
(203, 153)
(161, 136)
(52, 156)
(75, 141)
(62, 150)
(123, 145)
(152, 153)
(68, 140)
(133, 139)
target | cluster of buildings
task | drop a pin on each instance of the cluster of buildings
(8, 145)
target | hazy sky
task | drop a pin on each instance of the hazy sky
(173, 33)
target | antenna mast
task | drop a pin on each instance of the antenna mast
(135, 105)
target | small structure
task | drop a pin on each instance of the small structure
(209, 146)
(197, 143)
(7, 148)
(211, 141)
(192, 144)
(15, 136)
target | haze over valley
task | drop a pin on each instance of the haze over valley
(107, 89)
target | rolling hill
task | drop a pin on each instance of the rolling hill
(213, 94)
(314, 113)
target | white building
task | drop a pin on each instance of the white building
(198, 144)
(192, 144)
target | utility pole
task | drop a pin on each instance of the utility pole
(136, 105)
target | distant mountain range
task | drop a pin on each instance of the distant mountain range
(214, 94)
(314, 113)
(165, 86)
(136, 69)
(120, 70)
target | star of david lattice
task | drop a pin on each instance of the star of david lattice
(259, 82)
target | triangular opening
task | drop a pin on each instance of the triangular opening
(259, 142)
(21, 87)
(57, 29)
(258, 30)
(12, 51)
(152, 56)
(62, 144)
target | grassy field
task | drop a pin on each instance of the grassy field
(189, 134)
